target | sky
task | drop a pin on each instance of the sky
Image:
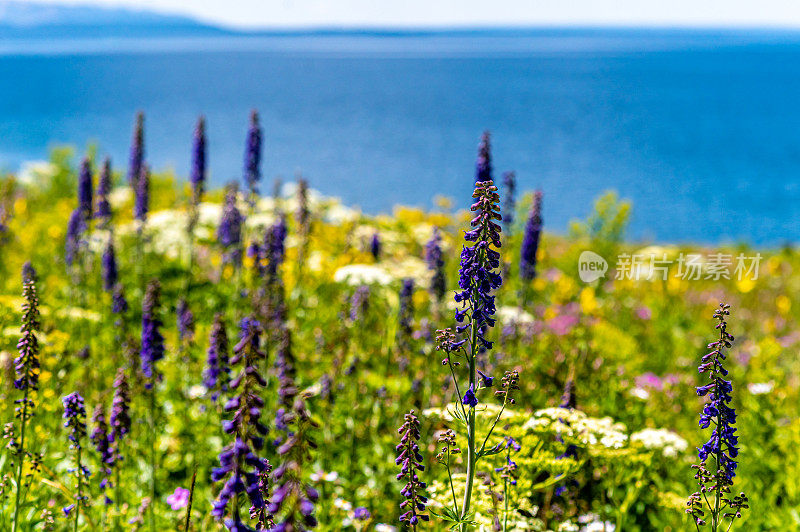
(288, 13)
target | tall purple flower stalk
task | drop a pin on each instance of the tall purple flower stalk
(435, 261)
(110, 271)
(198, 172)
(359, 303)
(217, 374)
(275, 246)
(26, 367)
(152, 348)
(287, 387)
(120, 418)
(85, 190)
(75, 229)
(185, 319)
(75, 421)
(483, 166)
(292, 501)
(478, 275)
(229, 232)
(103, 209)
(102, 444)
(142, 198)
(530, 243)
(509, 200)
(722, 446)
(410, 461)
(405, 314)
(238, 461)
(375, 246)
(252, 154)
(119, 427)
(119, 305)
(478, 279)
(136, 160)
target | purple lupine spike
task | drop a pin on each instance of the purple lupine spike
(509, 200)
(75, 416)
(120, 418)
(238, 461)
(26, 364)
(152, 349)
(275, 244)
(75, 229)
(410, 460)
(359, 303)
(136, 161)
(406, 313)
(119, 303)
(723, 446)
(287, 387)
(530, 243)
(198, 174)
(217, 375)
(142, 199)
(483, 166)
(229, 232)
(75, 421)
(185, 320)
(478, 275)
(85, 189)
(375, 246)
(303, 212)
(568, 397)
(103, 211)
(435, 262)
(100, 439)
(29, 272)
(252, 154)
(110, 271)
(292, 501)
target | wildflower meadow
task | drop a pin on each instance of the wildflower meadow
(260, 356)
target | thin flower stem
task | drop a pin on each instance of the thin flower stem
(496, 419)
(21, 460)
(452, 487)
(117, 488)
(78, 498)
(471, 457)
(191, 498)
(151, 511)
(458, 391)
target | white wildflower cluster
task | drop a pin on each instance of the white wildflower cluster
(361, 274)
(593, 523)
(668, 442)
(384, 274)
(513, 315)
(760, 388)
(576, 425)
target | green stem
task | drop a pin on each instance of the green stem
(151, 510)
(21, 460)
(452, 487)
(505, 503)
(471, 457)
(117, 490)
(78, 498)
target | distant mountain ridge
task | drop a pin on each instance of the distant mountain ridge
(37, 20)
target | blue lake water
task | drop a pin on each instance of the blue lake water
(700, 129)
